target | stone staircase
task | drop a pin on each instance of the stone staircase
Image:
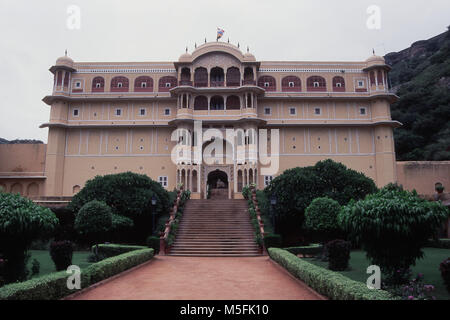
(215, 228)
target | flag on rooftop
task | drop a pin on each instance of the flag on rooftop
(220, 33)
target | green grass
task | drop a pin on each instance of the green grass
(46, 263)
(429, 266)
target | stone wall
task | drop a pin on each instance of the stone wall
(422, 175)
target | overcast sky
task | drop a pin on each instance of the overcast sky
(35, 33)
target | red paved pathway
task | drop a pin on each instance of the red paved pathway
(202, 278)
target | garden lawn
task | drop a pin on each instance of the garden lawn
(80, 258)
(429, 266)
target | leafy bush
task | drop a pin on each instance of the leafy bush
(272, 241)
(326, 282)
(321, 219)
(121, 229)
(21, 222)
(93, 221)
(444, 267)
(65, 229)
(53, 286)
(296, 188)
(35, 267)
(112, 250)
(246, 192)
(338, 254)
(154, 243)
(414, 290)
(127, 194)
(392, 227)
(61, 253)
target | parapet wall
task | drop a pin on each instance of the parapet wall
(422, 175)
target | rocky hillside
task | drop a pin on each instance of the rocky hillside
(19, 141)
(421, 78)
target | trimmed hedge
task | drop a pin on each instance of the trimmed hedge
(328, 283)
(109, 267)
(312, 249)
(441, 244)
(53, 286)
(111, 250)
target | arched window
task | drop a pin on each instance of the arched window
(185, 78)
(98, 84)
(201, 77)
(76, 189)
(379, 77)
(119, 84)
(249, 78)
(316, 83)
(233, 103)
(216, 103)
(59, 77)
(233, 77)
(372, 78)
(291, 84)
(143, 84)
(201, 103)
(268, 83)
(17, 188)
(338, 84)
(217, 77)
(33, 190)
(66, 79)
(166, 83)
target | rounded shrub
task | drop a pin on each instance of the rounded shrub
(153, 242)
(321, 219)
(93, 221)
(445, 272)
(21, 222)
(338, 254)
(392, 226)
(127, 194)
(61, 253)
(296, 188)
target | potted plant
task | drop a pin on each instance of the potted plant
(439, 188)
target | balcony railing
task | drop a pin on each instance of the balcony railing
(185, 83)
(248, 82)
(217, 83)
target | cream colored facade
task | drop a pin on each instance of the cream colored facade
(104, 119)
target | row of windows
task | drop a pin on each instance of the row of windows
(317, 111)
(289, 83)
(118, 112)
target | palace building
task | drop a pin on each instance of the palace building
(116, 117)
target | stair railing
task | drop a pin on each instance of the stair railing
(258, 217)
(164, 236)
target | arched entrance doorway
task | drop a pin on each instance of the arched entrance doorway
(217, 185)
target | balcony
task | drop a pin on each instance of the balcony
(217, 84)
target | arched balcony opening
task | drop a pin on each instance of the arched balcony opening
(185, 78)
(120, 84)
(268, 83)
(291, 84)
(372, 78)
(316, 83)
(217, 103)
(240, 183)
(338, 84)
(194, 181)
(233, 103)
(249, 77)
(166, 83)
(201, 77)
(201, 103)
(379, 77)
(143, 84)
(98, 84)
(233, 77)
(217, 77)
